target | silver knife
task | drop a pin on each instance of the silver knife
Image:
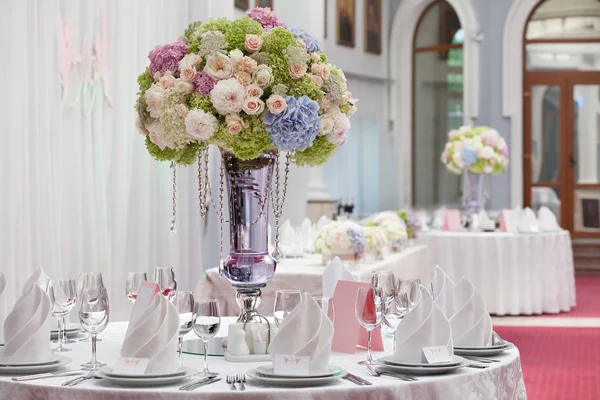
(204, 383)
(205, 379)
(361, 380)
(47, 375)
(351, 379)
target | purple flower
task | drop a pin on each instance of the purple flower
(312, 44)
(358, 240)
(203, 83)
(266, 18)
(469, 155)
(296, 127)
(166, 58)
(414, 222)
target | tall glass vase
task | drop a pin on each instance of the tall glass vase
(474, 202)
(249, 265)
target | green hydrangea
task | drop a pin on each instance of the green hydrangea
(191, 31)
(277, 40)
(478, 166)
(215, 24)
(145, 80)
(246, 145)
(305, 87)
(317, 154)
(160, 155)
(189, 155)
(202, 103)
(345, 108)
(323, 56)
(404, 216)
(186, 156)
(280, 69)
(235, 35)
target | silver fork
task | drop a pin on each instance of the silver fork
(373, 372)
(73, 382)
(241, 379)
(231, 380)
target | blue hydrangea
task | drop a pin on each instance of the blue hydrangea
(358, 240)
(312, 44)
(296, 127)
(469, 155)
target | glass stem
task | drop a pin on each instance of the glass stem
(64, 322)
(94, 361)
(179, 345)
(205, 356)
(369, 357)
(61, 326)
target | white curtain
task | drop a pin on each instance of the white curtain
(78, 191)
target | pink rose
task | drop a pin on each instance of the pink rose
(315, 69)
(317, 80)
(243, 77)
(324, 104)
(324, 71)
(167, 81)
(504, 151)
(182, 110)
(315, 57)
(452, 133)
(253, 106)
(254, 91)
(276, 104)
(297, 71)
(245, 64)
(188, 74)
(344, 99)
(235, 123)
(253, 43)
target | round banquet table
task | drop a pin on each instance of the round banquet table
(306, 273)
(503, 380)
(515, 273)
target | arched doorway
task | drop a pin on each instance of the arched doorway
(561, 108)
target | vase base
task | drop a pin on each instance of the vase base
(248, 299)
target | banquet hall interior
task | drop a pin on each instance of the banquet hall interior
(337, 181)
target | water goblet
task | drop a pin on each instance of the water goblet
(285, 302)
(369, 313)
(184, 303)
(407, 294)
(165, 278)
(63, 296)
(326, 304)
(89, 280)
(206, 324)
(94, 314)
(132, 285)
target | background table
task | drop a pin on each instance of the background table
(502, 380)
(516, 274)
(306, 274)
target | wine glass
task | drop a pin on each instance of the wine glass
(89, 280)
(132, 285)
(65, 338)
(93, 314)
(206, 324)
(184, 303)
(63, 296)
(285, 302)
(387, 282)
(407, 294)
(326, 304)
(369, 312)
(165, 278)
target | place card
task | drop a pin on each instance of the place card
(452, 221)
(507, 221)
(291, 365)
(145, 297)
(437, 354)
(131, 365)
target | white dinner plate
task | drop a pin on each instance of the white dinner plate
(496, 346)
(34, 369)
(482, 351)
(267, 370)
(54, 358)
(455, 361)
(293, 382)
(141, 382)
(432, 370)
(108, 371)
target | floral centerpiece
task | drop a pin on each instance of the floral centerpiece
(393, 226)
(477, 150)
(375, 241)
(343, 239)
(412, 222)
(255, 87)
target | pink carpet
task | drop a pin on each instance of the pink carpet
(587, 290)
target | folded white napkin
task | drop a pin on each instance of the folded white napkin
(425, 325)
(39, 277)
(27, 329)
(471, 323)
(305, 235)
(443, 291)
(335, 271)
(547, 220)
(322, 222)
(485, 223)
(424, 218)
(438, 218)
(528, 223)
(3, 305)
(154, 336)
(288, 240)
(306, 331)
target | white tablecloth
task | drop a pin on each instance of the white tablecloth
(502, 381)
(516, 274)
(306, 274)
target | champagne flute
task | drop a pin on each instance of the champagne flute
(89, 280)
(326, 304)
(165, 278)
(93, 314)
(64, 319)
(285, 302)
(369, 313)
(184, 303)
(63, 296)
(132, 285)
(206, 324)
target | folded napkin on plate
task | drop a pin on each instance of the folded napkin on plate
(27, 329)
(306, 331)
(471, 323)
(443, 291)
(335, 271)
(528, 223)
(425, 325)
(3, 308)
(547, 220)
(39, 277)
(154, 336)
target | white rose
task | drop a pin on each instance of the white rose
(200, 124)
(190, 60)
(167, 81)
(218, 66)
(253, 106)
(235, 54)
(276, 104)
(183, 87)
(155, 131)
(254, 91)
(326, 125)
(262, 76)
(235, 123)
(182, 110)
(188, 74)
(154, 99)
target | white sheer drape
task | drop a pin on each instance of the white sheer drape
(79, 192)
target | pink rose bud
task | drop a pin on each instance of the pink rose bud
(324, 71)
(253, 43)
(182, 110)
(235, 123)
(254, 91)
